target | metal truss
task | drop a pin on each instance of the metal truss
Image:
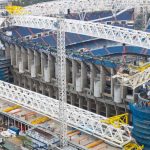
(61, 63)
(113, 33)
(75, 117)
(135, 80)
(65, 7)
(2, 20)
(79, 6)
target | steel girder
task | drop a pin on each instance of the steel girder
(135, 80)
(79, 6)
(61, 63)
(75, 117)
(113, 33)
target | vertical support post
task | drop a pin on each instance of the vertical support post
(61, 63)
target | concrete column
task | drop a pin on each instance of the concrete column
(102, 80)
(15, 78)
(74, 71)
(37, 87)
(108, 110)
(37, 62)
(92, 76)
(98, 107)
(67, 71)
(73, 99)
(30, 84)
(30, 59)
(83, 75)
(25, 82)
(56, 93)
(50, 91)
(42, 89)
(12, 55)
(51, 66)
(80, 102)
(89, 104)
(7, 50)
(112, 83)
(18, 56)
(117, 110)
(43, 63)
(24, 61)
(19, 80)
(123, 92)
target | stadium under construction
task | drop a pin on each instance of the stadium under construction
(74, 75)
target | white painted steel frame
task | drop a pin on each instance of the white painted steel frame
(113, 33)
(79, 6)
(135, 80)
(61, 63)
(76, 117)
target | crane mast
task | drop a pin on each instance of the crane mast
(61, 63)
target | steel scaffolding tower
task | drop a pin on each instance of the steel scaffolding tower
(61, 63)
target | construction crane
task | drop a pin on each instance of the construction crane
(117, 34)
(117, 121)
(77, 118)
(16, 10)
(133, 146)
(141, 67)
(79, 6)
(135, 80)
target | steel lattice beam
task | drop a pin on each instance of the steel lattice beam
(78, 6)
(75, 117)
(113, 33)
(135, 80)
(61, 63)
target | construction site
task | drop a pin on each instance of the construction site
(75, 75)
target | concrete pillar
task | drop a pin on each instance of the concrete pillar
(51, 66)
(92, 76)
(73, 99)
(98, 107)
(19, 80)
(102, 80)
(12, 55)
(42, 88)
(112, 83)
(44, 63)
(80, 102)
(18, 55)
(15, 78)
(67, 71)
(30, 59)
(108, 110)
(83, 75)
(30, 84)
(25, 83)
(123, 92)
(7, 50)
(37, 87)
(37, 62)
(89, 104)
(74, 71)
(50, 91)
(56, 93)
(24, 61)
